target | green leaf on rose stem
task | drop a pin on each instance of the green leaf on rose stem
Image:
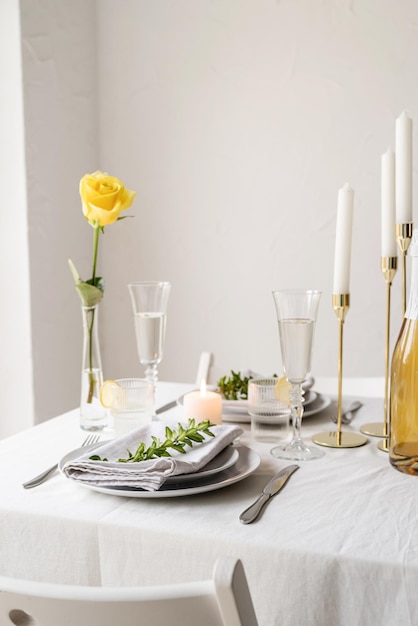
(98, 282)
(74, 272)
(89, 294)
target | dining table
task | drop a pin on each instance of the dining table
(337, 546)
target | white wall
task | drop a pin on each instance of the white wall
(60, 91)
(16, 396)
(237, 122)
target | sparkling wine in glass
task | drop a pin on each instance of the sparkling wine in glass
(149, 304)
(296, 314)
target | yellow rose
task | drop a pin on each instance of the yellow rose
(103, 198)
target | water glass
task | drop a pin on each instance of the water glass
(269, 415)
(132, 405)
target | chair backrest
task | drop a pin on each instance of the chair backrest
(203, 369)
(223, 600)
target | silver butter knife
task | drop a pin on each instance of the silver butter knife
(273, 486)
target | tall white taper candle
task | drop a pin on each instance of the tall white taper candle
(343, 240)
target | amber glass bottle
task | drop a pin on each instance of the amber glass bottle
(403, 450)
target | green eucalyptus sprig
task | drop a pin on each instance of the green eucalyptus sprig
(175, 439)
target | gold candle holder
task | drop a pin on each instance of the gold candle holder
(403, 237)
(389, 266)
(339, 439)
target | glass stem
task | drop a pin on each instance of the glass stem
(151, 372)
(296, 409)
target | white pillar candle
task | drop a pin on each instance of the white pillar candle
(343, 240)
(203, 405)
(403, 151)
(388, 204)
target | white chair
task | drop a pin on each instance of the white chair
(222, 601)
(203, 369)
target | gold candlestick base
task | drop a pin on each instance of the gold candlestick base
(374, 429)
(335, 439)
(338, 439)
(383, 445)
(389, 266)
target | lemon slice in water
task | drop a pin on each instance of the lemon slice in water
(109, 393)
(282, 390)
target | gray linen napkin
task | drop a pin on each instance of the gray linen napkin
(148, 475)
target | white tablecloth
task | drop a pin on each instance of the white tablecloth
(338, 546)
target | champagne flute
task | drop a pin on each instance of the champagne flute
(296, 315)
(149, 304)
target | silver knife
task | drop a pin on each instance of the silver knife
(273, 486)
(166, 407)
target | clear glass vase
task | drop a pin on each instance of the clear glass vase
(93, 416)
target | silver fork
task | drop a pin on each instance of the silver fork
(348, 415)
(38, 480)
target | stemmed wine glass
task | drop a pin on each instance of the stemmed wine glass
(296, 315)
(149, 304)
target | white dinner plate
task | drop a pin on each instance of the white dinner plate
(247, 462)
(316, 406)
